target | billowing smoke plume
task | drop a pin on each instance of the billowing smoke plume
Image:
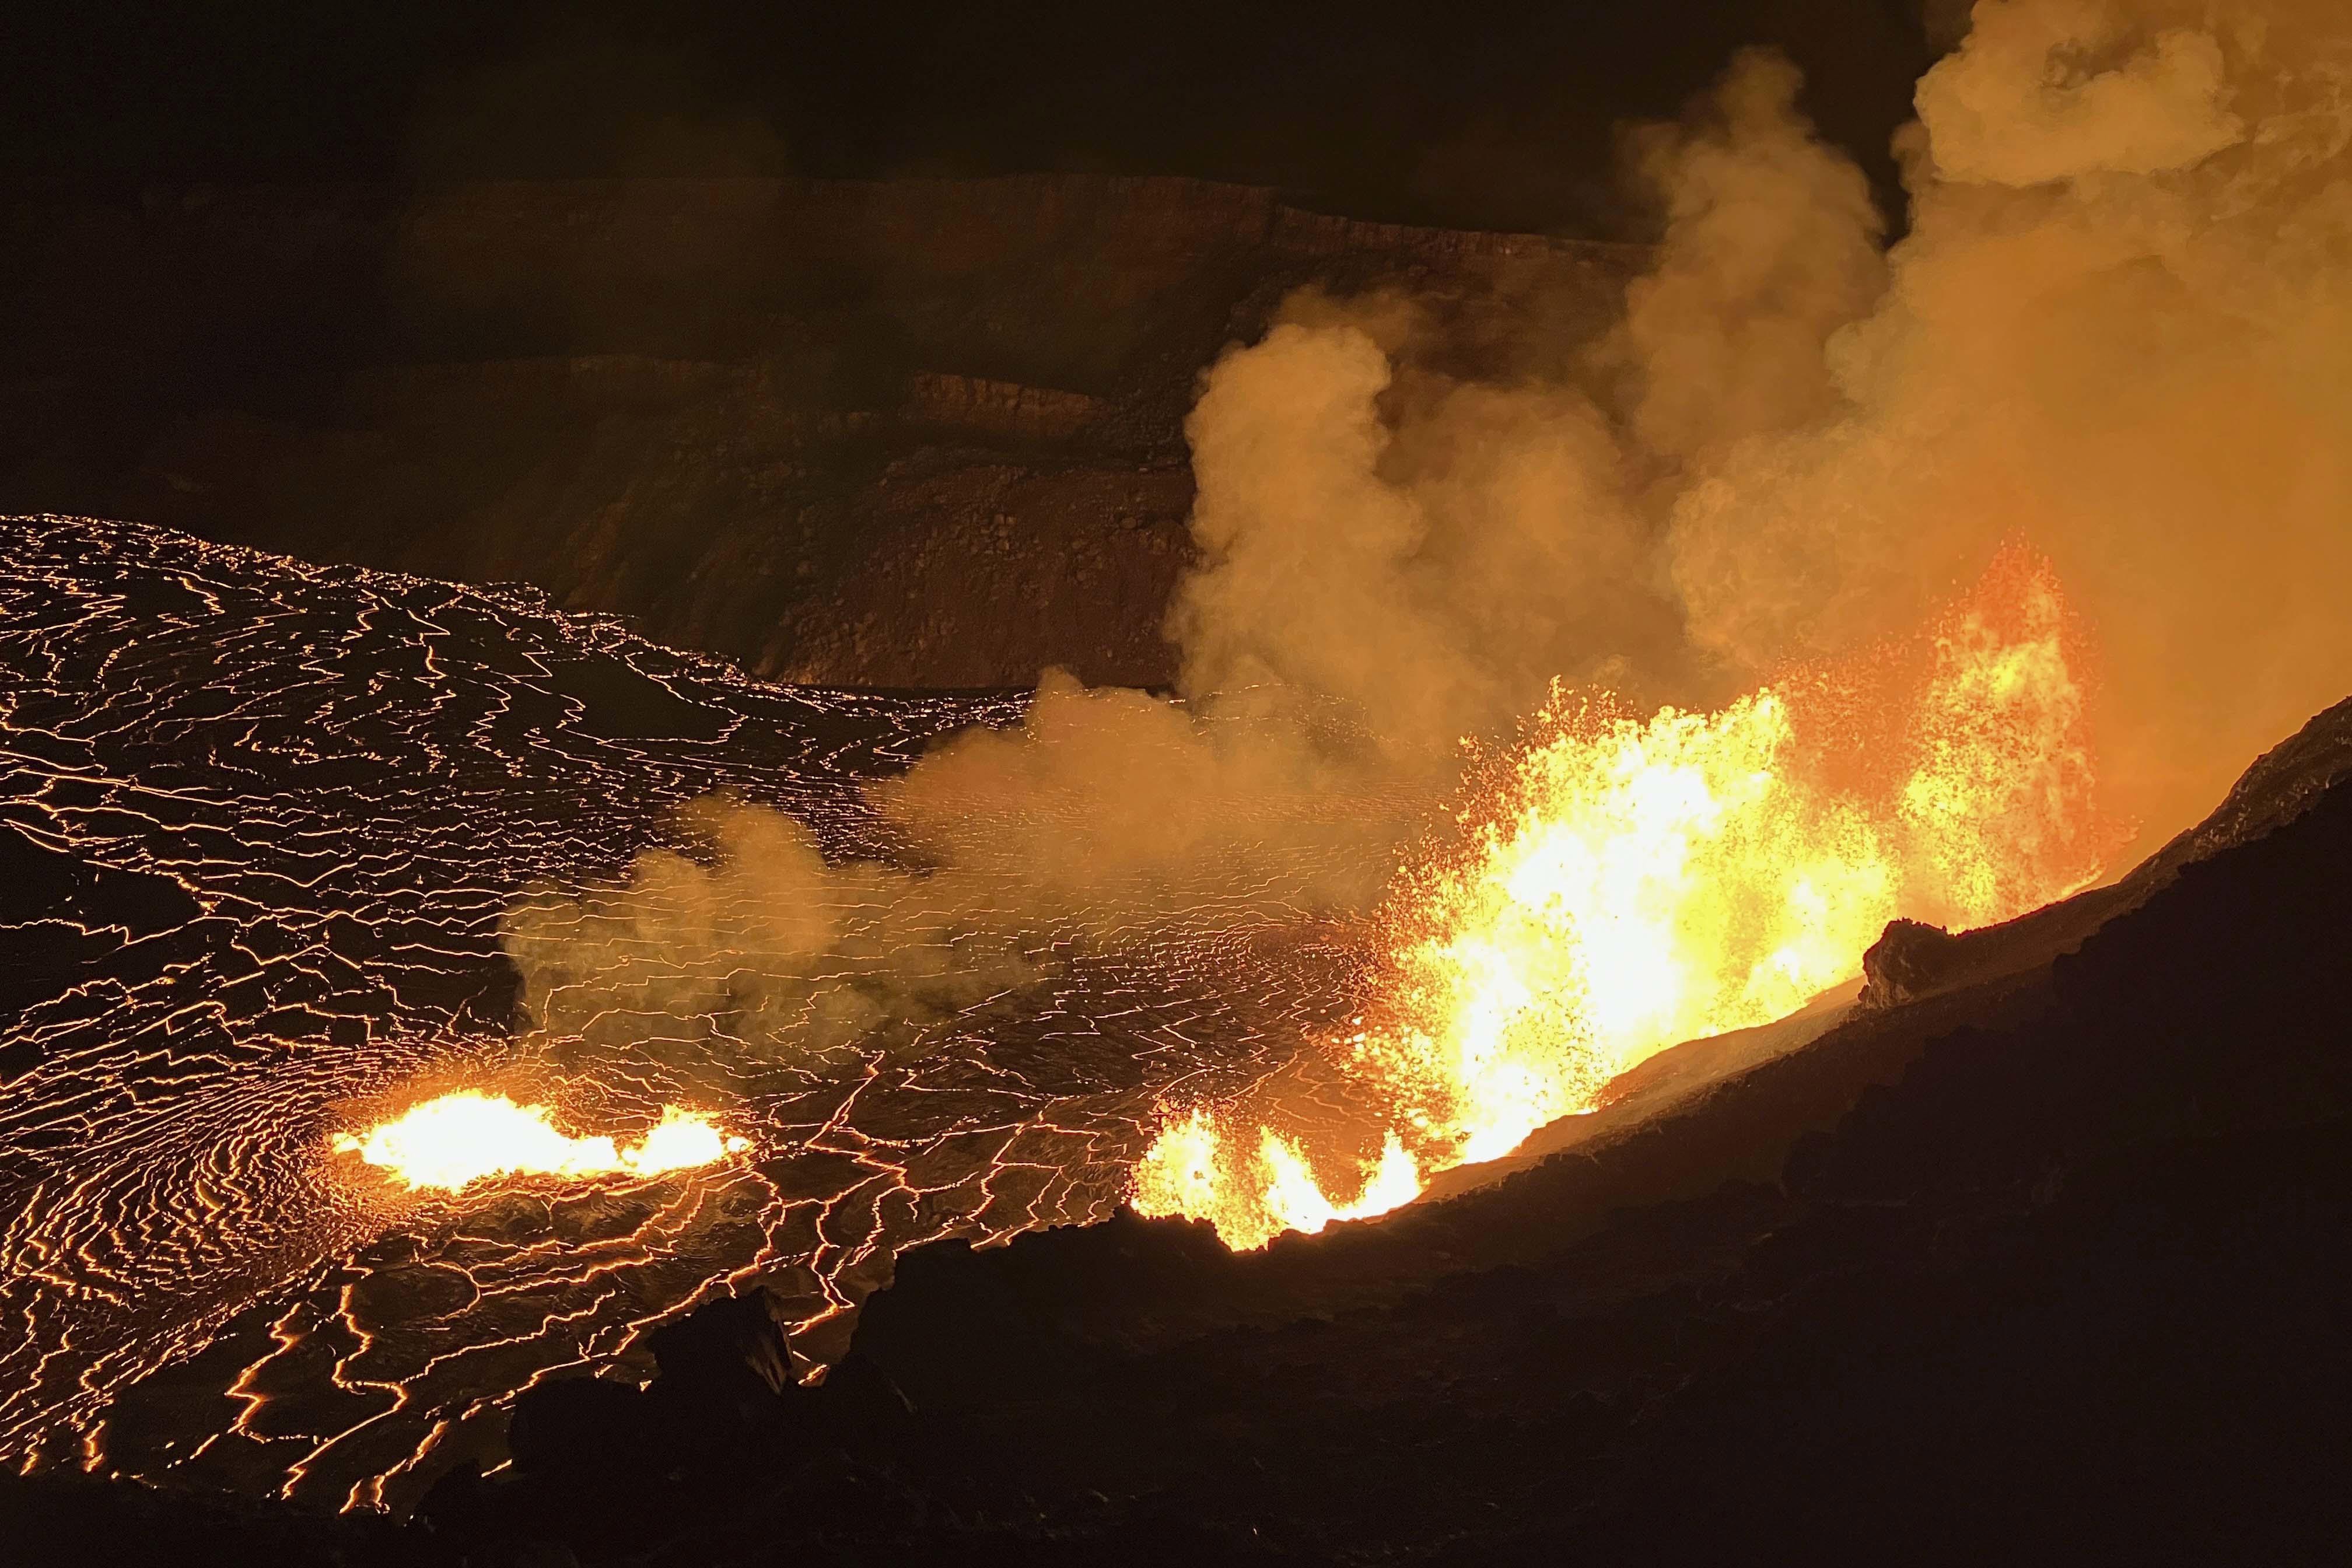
(2117, 326)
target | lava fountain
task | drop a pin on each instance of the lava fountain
(1626, 883)
(455, 1140)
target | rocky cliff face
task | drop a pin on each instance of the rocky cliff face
(912, 433)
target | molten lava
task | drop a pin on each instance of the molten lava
(456, 1140)
(1634, 883)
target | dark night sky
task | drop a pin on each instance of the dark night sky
(1471, 112)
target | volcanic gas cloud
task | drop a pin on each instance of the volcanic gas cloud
(1833, 581)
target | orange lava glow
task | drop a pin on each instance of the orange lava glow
(456, 1140)
(1630, 883)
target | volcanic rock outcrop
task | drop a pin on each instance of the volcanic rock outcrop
(1909, 960)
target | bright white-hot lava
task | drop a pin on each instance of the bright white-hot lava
(458, 1138)
(1631, 883)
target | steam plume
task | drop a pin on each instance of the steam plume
(2117, 326)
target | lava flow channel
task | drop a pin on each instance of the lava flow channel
(1630, 883)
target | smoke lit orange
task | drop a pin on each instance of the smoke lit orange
(454, 1140)
(1636, 882)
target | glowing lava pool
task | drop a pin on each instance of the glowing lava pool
(453, 1141)
(261, 822)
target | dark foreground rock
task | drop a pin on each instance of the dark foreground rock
(2044, 1269)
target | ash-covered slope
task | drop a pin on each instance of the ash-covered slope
(901, 433)
(2043, 1266)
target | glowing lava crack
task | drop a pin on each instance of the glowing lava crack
(459, 1139)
